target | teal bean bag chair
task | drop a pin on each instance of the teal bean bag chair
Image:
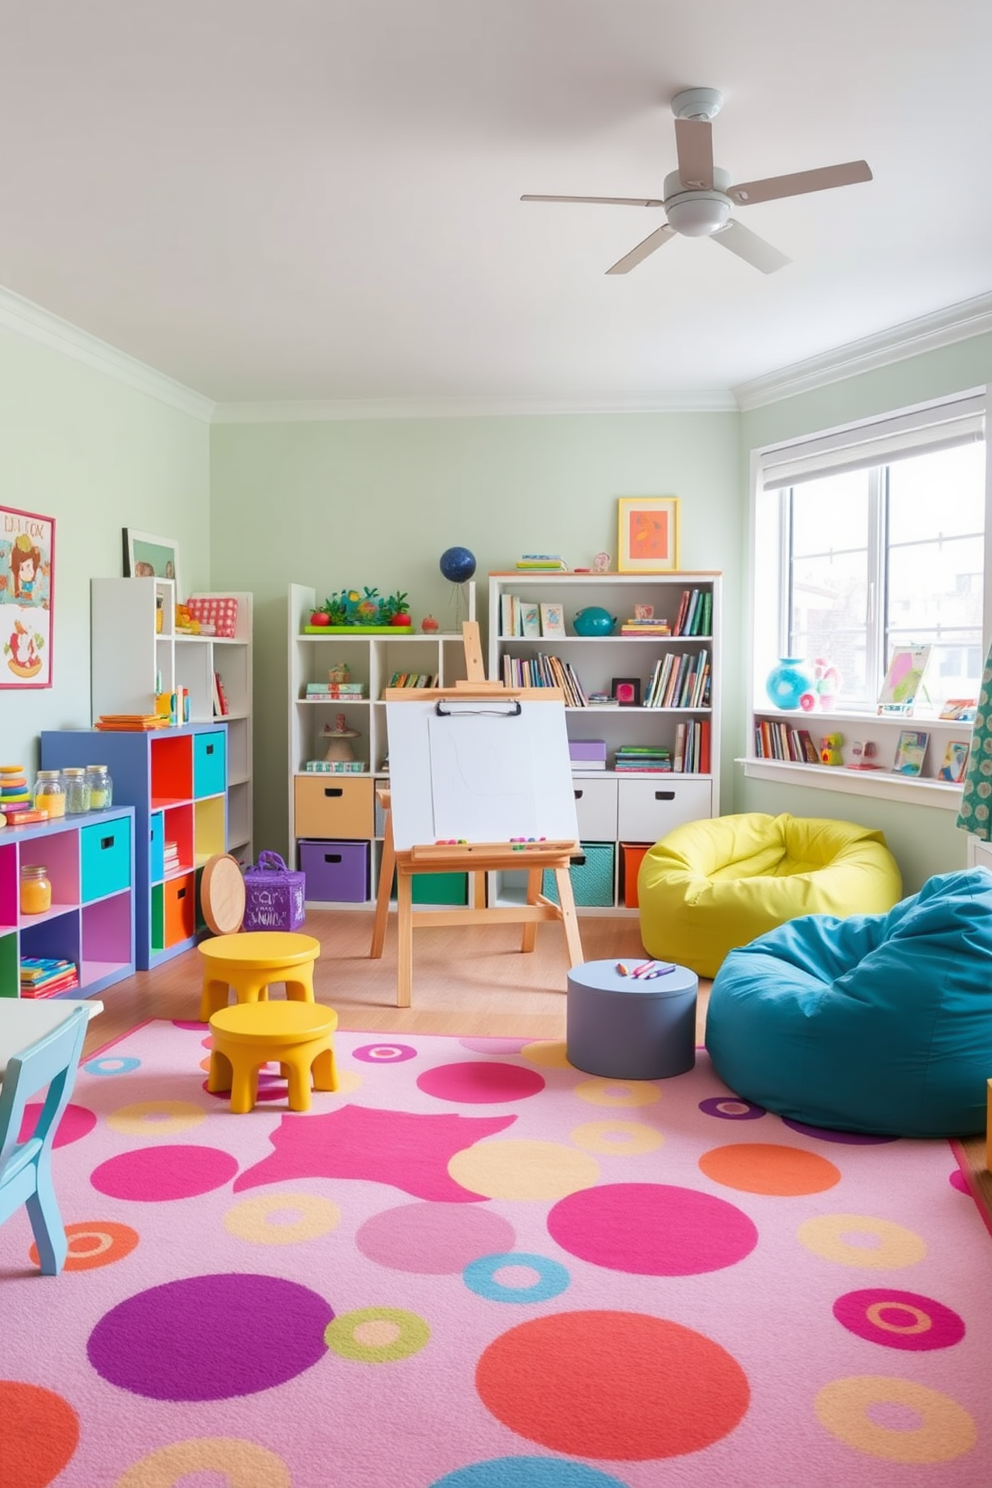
(871, 1023)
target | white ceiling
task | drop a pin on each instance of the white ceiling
(319, 199)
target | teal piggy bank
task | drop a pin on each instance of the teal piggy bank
(594, 621)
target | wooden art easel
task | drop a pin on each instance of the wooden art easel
(473, 858)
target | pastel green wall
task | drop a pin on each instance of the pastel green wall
(924, 840)
(97, 455)
(354, 503)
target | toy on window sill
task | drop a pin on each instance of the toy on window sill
(830, 749)
(863, 756)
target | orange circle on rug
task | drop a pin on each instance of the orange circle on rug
(612, 1385)
(766, 1168)
(40, 1434)
(101, 1242)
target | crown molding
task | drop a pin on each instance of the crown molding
(929, 332)
(329, 410)
(30, 320)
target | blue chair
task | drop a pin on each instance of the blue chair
(26, 1167)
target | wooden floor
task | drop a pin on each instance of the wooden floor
(465, 981)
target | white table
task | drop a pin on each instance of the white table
(23, 1021)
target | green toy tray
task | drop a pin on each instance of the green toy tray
(357, 629)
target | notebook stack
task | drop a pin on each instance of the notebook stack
(42, 976)
(587, 754)
(646, 627)
(170, 858)
(542, 561)
(642, 758)
(128, 723)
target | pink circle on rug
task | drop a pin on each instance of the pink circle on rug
(480, 1083)
(155, 1174)
(384, 1053)
(652, 1229)
(434, 1239)
(959, 1181)
(195, 1024)
(76, 1122)
(901, 1320)
(271, 1087)
(618, 1385)
(494, 1045)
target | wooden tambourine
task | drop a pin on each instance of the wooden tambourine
(222, 894)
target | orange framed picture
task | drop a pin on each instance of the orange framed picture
(648, 534)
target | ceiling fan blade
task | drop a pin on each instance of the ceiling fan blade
(694, 143)
(605, 201)
(774, 187)
(630, 260)
(747, 245)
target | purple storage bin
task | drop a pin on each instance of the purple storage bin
(336, 872)
(274, 895)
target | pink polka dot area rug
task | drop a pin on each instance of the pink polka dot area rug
(473, 1266)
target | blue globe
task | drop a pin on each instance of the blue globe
(457, 564)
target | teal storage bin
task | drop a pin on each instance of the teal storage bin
(592, 881)
(439, 888)
(209, 764)
(105, 858)
(156, 848)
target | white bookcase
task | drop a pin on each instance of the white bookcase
(335, 824)
(132, 659)
(619, 813)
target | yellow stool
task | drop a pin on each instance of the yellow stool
(296, 1034)
(249, 962)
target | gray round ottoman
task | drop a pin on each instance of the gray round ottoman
(629, 1028)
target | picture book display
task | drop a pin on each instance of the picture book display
(962, 709)
(911, 752)
(955, 760)
(904, 679)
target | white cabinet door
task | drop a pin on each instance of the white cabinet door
(649, 809)
(596, 808)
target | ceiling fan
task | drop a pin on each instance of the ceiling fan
(699, 197)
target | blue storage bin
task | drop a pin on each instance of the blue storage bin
(156, 847)
(209, 763)
(592, 881)
(105, 858)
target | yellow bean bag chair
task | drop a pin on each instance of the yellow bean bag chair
(710, 886)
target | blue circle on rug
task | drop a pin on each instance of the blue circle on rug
(210, 1337)
(480, 1277)
(527, 1472)
(111, 1064)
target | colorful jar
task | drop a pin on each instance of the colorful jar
(101, 787)
(789, 684)
(77, 791)
(49, 793)
(36, 889)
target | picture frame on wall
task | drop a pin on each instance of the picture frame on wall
(648, 532)
(146, 556)
(27, 580)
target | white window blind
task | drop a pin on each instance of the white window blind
(940, 427)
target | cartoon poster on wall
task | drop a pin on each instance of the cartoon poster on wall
(27, 557)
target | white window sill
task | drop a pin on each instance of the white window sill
(917, 790)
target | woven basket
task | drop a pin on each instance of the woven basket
(274, 895)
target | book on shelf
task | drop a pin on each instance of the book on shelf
(911, 751)
(413, 679)
(552, 620)
(530, 620)
(336, 767)
(904, 680)
(542, 561)
(955, 760)
(960, 709)
(337, 689)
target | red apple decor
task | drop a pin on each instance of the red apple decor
(320, 617)
(429, 625)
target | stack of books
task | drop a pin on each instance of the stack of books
(319, 692)
(545, 671)
(643, 758)
(220, 703)
(43, 976)
(413, 679)
(587, 754)
(680, 682)
(695, 615)
(334, 767)
(171, 858)
(542, 561)
(126, 723)
(652, 627)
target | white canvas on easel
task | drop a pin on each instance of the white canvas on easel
(479, 771)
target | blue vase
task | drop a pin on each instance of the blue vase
(789, 679)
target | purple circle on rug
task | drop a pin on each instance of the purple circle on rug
(154, 1174)
(433, 1239)
(731, 1108)
(478, 1083)
(652, 1229)
(384, 1053)
(210, 1337)
(825, 1134)
(900, 1320)
(76, 1122)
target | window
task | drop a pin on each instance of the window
(873, 539)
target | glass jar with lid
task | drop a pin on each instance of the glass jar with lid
(101, 787)
(36, 889)
(49, 793)
(77, 791)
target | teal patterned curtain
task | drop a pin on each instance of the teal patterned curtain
(975, 815)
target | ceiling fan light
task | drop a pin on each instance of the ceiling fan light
(698, 214)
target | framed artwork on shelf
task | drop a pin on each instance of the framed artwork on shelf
(146, 556)
(955, 761)
(911, 752)
(552, 620)
(27, 578)
(648, 534)
(627, 691)
(904, 680)
(960, 709)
